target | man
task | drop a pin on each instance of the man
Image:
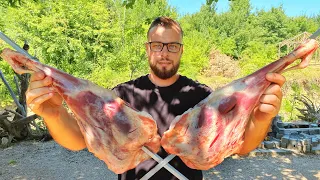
(163, 93)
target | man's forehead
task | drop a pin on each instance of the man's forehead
(173, 33)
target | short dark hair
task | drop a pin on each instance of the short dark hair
(165, 22)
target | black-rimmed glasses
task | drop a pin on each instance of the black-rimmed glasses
(158, 46)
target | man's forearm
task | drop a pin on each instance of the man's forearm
(65, 131)
(255, 133)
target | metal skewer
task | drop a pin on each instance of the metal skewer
(15, 46)
(315, 34)
(162, 163)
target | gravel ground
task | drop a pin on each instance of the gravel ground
(37, 160)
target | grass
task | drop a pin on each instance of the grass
(12, 162)
(311, 72)
(214, 82)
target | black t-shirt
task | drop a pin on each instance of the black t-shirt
(163, 104)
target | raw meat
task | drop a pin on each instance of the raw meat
(113, 132)
(214, 129)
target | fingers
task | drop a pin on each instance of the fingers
(5, 55)
(305, 60)
(276, 78)
(35, 104)
(35, 93)
(274, 89)
(37, 76)
(270, 99)
(38, 90)
(268, 109)
(39, 80)
(16, 60)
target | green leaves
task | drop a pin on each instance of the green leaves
(209, 2)
(130, 3)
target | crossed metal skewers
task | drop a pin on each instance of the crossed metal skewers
(162, 163)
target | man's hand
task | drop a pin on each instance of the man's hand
(41, 97)
(270, 100)
(263, 114)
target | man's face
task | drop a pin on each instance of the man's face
(164, 64)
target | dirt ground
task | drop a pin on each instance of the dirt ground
(47, 160)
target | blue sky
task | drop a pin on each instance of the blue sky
(291, 7)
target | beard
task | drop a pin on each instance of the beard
(164, 72)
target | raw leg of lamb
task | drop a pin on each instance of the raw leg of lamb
(214, 129)
(113, 132)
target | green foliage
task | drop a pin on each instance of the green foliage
(195, 55)
(5, 96)
(274, 23)
(209, 2)
(315, 87)
(227, 46)
(12, 162)
(256, 55)
(130, 3)
(311, 112)
(70, 41)
(288, 109)
(297, 89)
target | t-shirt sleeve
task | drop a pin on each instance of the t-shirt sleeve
(201, 91)
(117, 90)
(124, 91)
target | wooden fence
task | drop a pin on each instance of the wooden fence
(288, 45)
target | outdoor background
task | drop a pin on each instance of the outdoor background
(103, 40)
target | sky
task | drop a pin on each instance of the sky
(292, 8)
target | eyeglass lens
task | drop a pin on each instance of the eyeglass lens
(158, 46)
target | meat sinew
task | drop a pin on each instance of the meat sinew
(113, 132)
(214, 129)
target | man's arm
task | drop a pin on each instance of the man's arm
(65, 130)
(262, 116)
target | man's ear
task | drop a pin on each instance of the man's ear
(147, 47)
(181, 49)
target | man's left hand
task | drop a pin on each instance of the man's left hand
(270, 101)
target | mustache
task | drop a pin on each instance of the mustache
(165, 59)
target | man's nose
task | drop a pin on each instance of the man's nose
(165, 51)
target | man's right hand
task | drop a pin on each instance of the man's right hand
(43, 100)
(41, 97)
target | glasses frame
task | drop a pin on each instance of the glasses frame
(164, 44)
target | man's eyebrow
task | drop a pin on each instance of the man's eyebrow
(167, 42)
